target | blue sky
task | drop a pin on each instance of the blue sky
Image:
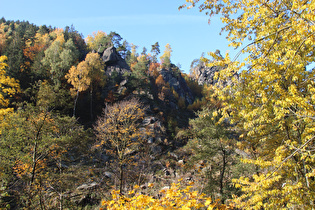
(138, 21)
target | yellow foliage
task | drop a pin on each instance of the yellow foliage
(88, 70)
(8, 88)
(159, 81)
(167, 52)
(57, 36)
(3, 37)
(272, 101)
(25, 168)
(42, 39)
(176, 197)
(119, 129)
(93, 40)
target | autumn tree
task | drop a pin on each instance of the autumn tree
(166, 57)
(35, 54)
(163, 89)
(132, 58)
(3, 37)
(30, 54)
(153, 70)
(85, 75)
(272, 102)
(34, 142)
(8, 88)
(59, 57)
(17, 36)
(99, 41)
(119, 131)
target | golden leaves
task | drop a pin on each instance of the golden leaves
(272, 101)
(175, 197)
(8, 85)
(95, 39)
(8, 88)
(88, 70)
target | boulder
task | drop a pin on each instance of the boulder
(148, 120)
(82, 196)
(89, 186)
(206, 75)
(108, 174)
(114, 62)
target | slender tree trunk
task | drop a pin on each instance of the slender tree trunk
(30, 198)
(91, 102)
(222, 172)
(35, 149)
(34, 164)
(121, 178)
(75, 103)
(60, 201)
(60, 193)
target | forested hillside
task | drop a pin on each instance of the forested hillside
(91, 123)
(80, 116)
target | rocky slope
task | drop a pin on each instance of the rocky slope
(206, 75)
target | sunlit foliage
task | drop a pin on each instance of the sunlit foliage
(175, 197)
(118, 131)
(8, 88)
(272, 102)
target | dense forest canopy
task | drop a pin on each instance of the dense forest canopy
(92, 123)
(55, 85)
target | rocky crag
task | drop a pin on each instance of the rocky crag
(114, 62)
(206, 75)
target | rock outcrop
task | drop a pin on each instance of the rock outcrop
(206, 75)
(176, 81)
(114, 62)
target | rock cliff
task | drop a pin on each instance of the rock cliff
(114, 62)
(206, 75)
(176, 81)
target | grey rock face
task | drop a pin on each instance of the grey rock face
(87, 186)
(179, 84)
(114, 62)
(206, 75)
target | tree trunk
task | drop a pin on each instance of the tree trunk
(75, 103)
(34, 164)
(121, 179)
(222, 172)
(91, 102)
